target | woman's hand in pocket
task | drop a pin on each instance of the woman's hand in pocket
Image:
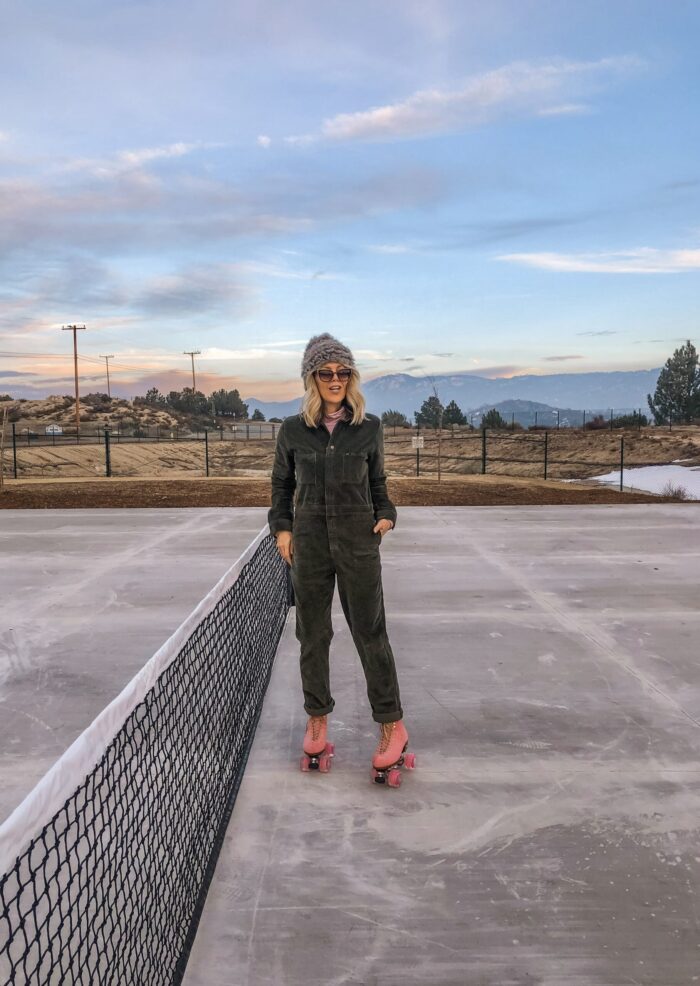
(382, 526)
(285, 545)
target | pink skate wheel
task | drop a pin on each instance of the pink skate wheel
(394, 778)
(330, 749)
(304, 763)
(409, 761)
(324, 763)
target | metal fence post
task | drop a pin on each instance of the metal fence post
(611, 419)
(14, 448)
(622, 460)
(206, 451)
(247, 431)
(108, 457)
(546, 436)
(417, 461)
(483, 451)
(584, 420)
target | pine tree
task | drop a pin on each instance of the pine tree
(430, 414)
(454, 415)
(395, 419)
(677, 395)
(493, 419)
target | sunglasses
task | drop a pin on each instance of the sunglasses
(327, 375)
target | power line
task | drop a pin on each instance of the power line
(82, 358)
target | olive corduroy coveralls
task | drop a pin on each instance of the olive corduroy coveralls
(341, 493)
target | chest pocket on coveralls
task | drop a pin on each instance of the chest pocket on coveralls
(355, 467)
(305, 464)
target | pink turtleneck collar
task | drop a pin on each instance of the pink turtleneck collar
(331, 420)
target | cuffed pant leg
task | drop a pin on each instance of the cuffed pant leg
(362, 598)
(313, 580)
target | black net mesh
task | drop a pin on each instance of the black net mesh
(110, 891)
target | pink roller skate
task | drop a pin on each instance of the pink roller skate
(317, 751)
(391, 755)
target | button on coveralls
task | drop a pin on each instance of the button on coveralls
(329, 491)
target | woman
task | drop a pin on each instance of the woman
(332, 455)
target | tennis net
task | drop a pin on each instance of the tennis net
(105, 866)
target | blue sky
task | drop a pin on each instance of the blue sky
(499, 188)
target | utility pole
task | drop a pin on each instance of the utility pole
(75, 329)
(192, 353)
(107, 359)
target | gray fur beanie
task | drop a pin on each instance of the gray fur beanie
(324, 349)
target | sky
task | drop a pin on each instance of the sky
(495, 188)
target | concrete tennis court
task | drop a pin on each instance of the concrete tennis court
(86, 598)
(551, 687)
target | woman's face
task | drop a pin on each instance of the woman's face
(335, 389)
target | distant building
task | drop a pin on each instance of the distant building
(54, 430)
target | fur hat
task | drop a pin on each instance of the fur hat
(324, 349)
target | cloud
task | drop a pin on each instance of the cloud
(390, 248)
(520, 89)
(642, 260)
(264, 141)
(195, 291)
(603, 332)
(274, 270)
(462, 235)
(506, 370)
(76, 283)
(14, 373)
(559, 359)
(131, 160)
(129, 212)
(443, 354)
(565, 109)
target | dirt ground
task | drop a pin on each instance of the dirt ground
(254, 492)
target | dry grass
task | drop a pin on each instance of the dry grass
(571, 454)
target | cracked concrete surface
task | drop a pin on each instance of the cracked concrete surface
(86, 598)
(549, 674)
(549, 835)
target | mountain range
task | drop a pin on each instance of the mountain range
(621, 390)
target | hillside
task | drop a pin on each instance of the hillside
(117, 414)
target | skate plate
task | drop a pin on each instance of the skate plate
(391, 775)
(318, 761)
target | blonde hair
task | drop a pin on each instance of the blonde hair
(312, 404)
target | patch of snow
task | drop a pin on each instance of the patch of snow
(653, 479)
